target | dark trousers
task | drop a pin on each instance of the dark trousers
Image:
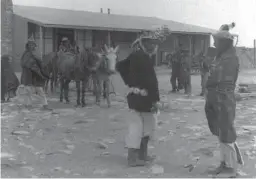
(176, 78)
(187, 81)
(3, 85)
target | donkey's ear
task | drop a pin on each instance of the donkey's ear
(116, 49)
(106, 48)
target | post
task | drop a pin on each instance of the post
(190, 46)
(254, 53)
(109, 39)
(76, 35)
(41, 37)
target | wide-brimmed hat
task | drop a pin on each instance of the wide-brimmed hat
(64, 39)
(31, 40)
(223, 32)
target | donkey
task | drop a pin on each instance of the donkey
(103, 66)
(73, 67)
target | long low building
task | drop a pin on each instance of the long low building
(89, 29)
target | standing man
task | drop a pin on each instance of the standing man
(176, 70)
(33, 77)
(220, 107)
(137, 72)
(185, 71)
(204, 69)
(65, 45)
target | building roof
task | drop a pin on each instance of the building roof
(62, 18)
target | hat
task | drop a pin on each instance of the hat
(159, 35)
(31, 39)
(64, 39)
(223, 32)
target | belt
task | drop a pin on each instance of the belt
(141, 92)
(221, 89)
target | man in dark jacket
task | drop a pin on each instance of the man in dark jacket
(220, 107)
(137, 72)
(176, 70)
(65, 45)
(33, 76)
(204, 70)
(185, 73)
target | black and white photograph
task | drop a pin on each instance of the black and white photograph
(128, 89)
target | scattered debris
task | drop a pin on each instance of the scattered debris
(20, 133)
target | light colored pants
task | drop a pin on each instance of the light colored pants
(30, 90)
(141, 124)
(230, 155)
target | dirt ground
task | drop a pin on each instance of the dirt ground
(89, 142)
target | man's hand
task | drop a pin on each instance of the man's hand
(156, 106)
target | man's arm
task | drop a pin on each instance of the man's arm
(123, 68)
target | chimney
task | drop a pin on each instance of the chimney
(101, 10)
(108, 11)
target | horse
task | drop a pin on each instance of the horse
(49, 64)
(103, 66)
(73, 67)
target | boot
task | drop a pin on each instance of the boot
(133, 158)
(144, 150)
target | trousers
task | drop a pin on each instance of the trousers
(141, 124)
(204, 78)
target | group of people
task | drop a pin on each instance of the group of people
(181, 67)
(137, 72)
(181, 70)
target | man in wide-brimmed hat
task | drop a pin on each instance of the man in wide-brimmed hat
(65, 45)
(137, 72)
(220, 104)
(33, 76)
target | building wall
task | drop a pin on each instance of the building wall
(6, 27)
(84, 38)
(20, 37)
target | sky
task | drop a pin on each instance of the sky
(205, 13)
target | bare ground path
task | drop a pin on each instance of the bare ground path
(89, 142)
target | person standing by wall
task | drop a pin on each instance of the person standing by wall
(176, 70)
(204, 70)
(185, 74)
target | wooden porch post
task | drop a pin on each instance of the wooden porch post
(190, 46)
(76, 36)
(109, 39)
(41, 41)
